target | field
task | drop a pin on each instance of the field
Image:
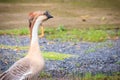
(71, 14)
(74, 21)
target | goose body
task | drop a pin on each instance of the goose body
(29, 67)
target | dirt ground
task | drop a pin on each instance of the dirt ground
(16, 15)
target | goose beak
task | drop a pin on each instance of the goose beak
(48, 15)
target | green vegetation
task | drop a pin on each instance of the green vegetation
(88, 76)
(118, 62)
(14, 47)
(47, 55)
(94, 35)
(90, 50)
(56, 56)
(20, 31)
(45, 75)
(91, 35)
(95, 77)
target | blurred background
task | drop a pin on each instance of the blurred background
(70, 13)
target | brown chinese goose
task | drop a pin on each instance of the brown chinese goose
(31, 17)
(29, 67)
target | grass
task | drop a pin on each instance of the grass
(118, 62)
(21, 31)
(91, 35)
(46, 55)
(56, 56)
(90, 50)
(88, 76)
(94, 35)
(14, 47)
(95, 77)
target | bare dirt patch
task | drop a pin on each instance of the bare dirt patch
(16, 15)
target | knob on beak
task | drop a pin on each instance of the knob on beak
(48, 15)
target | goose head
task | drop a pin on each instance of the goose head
(43, 15)
(39, 16)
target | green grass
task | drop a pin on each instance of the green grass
(88, 76)
(91, 35)
(94, 35)
(46, 55)
(90, 50)
(95, 77)
(21, 31)
(56, 56)
(118, 62)
(14, 47)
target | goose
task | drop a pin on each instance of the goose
(31, 17)
(29, 67)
